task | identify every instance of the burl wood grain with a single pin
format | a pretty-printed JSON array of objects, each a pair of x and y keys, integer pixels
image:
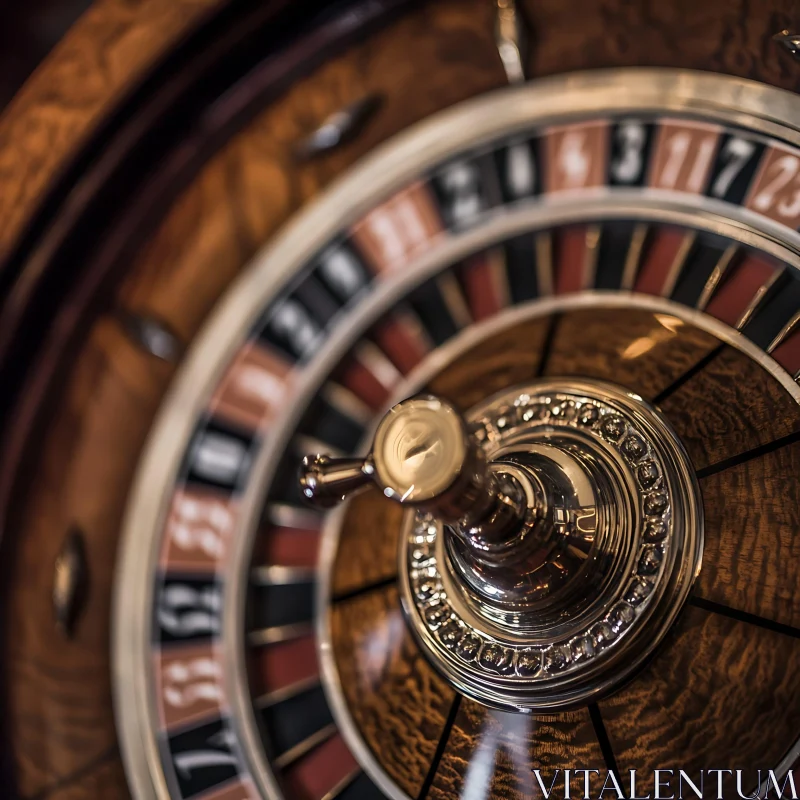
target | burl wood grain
[
  {"x": 731, "y": 406},
  {"x": 721, "y": 692},
  {"x": 368, "y": 542},
  {"x": 507, "y": 358},
  {"x": 637, "y": 349},
  {"x": 103, "y": 54},
  {"x": 396, "y": 699},
  {"x": 492, "y": 754},
  {"x": 751, "y": 559}
]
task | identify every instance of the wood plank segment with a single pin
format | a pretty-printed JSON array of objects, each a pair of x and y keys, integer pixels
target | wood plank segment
[
  {"x": 637, "y": 349},
  {"x": 492, "y": 753},
  {"x": 368, "y": 543},
  {"x": 751, "y": 559},
  {"x": 731, "y": 406},
  {"x": 509, "y": 357},
  {"x": 396, "y": 699},
  {"x": 720, "y": 692}
]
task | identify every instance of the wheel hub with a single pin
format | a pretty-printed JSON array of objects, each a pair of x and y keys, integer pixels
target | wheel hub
[
  {"x": 554, "y": 536},
  {"x": 554, "y": 625}
]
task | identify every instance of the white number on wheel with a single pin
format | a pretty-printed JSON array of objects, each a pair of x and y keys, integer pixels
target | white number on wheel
[
  {"x": 772, "y": 195},
  {"x": 736, "y": 153},
  {"x": 628, "y": 165}
]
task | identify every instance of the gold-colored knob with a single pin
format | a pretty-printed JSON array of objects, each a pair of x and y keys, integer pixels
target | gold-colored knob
[{"x": 420, "y": 450}]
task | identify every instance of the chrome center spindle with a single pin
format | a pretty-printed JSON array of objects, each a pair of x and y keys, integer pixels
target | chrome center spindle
[
  {"x": 424, "y": 456},
  {"x": 555, "y": 534}
]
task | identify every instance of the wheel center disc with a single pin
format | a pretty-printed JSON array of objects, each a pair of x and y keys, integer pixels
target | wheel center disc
[{"x": 587, "y": 590}]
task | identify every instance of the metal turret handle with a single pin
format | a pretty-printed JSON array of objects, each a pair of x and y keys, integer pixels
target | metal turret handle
[{"x": 424, "y": 456}]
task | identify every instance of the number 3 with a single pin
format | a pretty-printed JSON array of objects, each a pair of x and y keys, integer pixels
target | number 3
[{"x": 627, "y": 167}]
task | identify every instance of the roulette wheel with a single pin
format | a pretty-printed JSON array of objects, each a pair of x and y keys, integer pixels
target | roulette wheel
[{"x": 400, "y": 399}]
